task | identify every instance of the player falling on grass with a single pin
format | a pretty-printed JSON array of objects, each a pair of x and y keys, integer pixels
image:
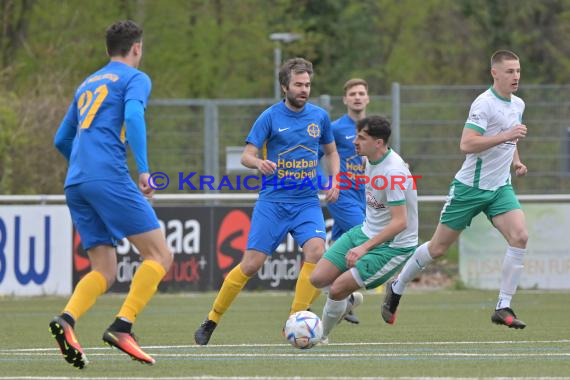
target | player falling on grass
[
  {"x": 369, "y": 254},
  {"x": 105, "y": 204},
  {"x": 490, "y": 136},
  {"x": 291, "y": 131},
  {"x": 348, "y": 211}
]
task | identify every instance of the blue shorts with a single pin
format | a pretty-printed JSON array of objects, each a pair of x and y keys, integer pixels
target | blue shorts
[
  {"x": 347, "y": 212},
  {"x": 104, "y": 212},
  {"x": 271, "y": 221}
]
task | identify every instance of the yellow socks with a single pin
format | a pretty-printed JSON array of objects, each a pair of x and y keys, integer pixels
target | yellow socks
[
  {"x": 144, "y": 285},
  {"x": 233, "y": 284},
  {"x": 316, "y": 295},
  {"x": 305, "y": 292},
  {"x": 91, "y": 286}
]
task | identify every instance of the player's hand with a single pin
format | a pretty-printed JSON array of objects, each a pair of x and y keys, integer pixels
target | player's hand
[
  {"x": 354, "y": 254},
  {"x": 515, "y": 133},
  {"x": 520, "y": 169},
  {"x": 145, "y": 186},
  {"x": 331, "y": 195},
  {"x": 266, "y": 167}
]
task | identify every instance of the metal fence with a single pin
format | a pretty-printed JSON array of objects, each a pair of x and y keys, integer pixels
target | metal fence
[
  {"x": 191, "y": 135},
  {"x": 432, "y": 118}
]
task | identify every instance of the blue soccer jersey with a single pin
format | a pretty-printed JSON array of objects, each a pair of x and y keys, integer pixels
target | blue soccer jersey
[
  {"x": 351, "y": 164},
  {"x": 99, "y": 147},
  {"x": 349, "y": 210},
  {"x": 292, "y": 141},
  {"x": 344, "y": 131}
]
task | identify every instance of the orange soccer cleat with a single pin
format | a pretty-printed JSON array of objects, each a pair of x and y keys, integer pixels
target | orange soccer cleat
[
  {"x": 67, "y": 342},
  {"x": 127, "y": 343}
]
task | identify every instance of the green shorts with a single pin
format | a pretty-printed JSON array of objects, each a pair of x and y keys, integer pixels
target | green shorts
[
  {"x": 465, "y": 202},
  {"x": 374, "y": 268}
]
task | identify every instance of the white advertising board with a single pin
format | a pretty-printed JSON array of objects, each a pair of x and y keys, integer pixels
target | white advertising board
[
  {"x": 547, "y": 262},
  {"x": 35, "y": 250}
]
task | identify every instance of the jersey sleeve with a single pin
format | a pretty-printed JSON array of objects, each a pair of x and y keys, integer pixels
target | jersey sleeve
[
  {"x": 522, "y": 108},
  {"x": 260, "y": 131},
  {"x": 396, "y": 190},
  {"x": 321, "y": 152},
  {"x": 138, "y": 88},
  {"x": 136, "y": 133},
  {"x": 478, "y": 118},
  {"x": 327, "y": 136},
  {"x": 65, "y": 134}
]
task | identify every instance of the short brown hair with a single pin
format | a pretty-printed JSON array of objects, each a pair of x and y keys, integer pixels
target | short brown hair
[
  {"x": 121, "y": 36},
  {"x": 354, "y": 82},
  {"x": 294, "y": 65},
  {"x": 503, "y": 55}
]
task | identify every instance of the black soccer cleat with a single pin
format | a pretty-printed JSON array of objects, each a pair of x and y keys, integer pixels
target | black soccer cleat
[
  {"x": 204, "y": 333},
  {"x": 506, "y": 316},
  {"x": 67, "y": 342},
  {"x": 390, "y": 305}
]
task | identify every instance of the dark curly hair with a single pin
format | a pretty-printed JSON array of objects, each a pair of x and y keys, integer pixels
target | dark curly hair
[
  {"x": 121, "y": 36},
  {"x": 376, "y": 126}
]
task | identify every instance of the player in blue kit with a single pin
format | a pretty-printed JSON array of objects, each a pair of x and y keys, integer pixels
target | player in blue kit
[
  {"x": 105, "y": 204},
  {"x": 291, "y": 132},
  {"x": 349, "y": 210}
]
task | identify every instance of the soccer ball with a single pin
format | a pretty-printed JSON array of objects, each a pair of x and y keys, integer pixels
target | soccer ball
[{"x": 303, "y": 329}]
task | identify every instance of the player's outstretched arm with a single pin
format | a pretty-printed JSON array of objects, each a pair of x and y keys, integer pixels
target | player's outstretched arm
[
  {"x": 136, "y": 133},
  {"x": 145, "y": 185},
  {"x": 65, "y": 134},
  {"x": 473, "y": 142},
  {"x": 250, "y": 160},
  {"x": 398, "y": 223},
  {"x": 136, "y": 136},
  {"x": 519, "y": 168}
]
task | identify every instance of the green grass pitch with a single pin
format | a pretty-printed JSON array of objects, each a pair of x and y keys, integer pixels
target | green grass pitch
[{"x": 437, "y": 334}]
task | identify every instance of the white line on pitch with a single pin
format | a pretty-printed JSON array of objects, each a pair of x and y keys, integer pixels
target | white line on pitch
[
  {"x": 273, "y": 378},
  {"x": 331, "y": 344},
  {"x": 306, "y": 354}
]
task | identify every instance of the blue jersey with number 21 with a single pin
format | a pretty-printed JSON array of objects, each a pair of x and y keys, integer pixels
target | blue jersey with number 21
[{"x": 99, "y": 149}]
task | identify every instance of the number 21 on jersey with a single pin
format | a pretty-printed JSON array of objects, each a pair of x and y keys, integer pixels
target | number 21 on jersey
[{"x": 90, "y": 102}]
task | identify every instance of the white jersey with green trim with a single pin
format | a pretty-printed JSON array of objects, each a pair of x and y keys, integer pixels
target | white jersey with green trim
[
  {"x": 491, "y": 114},
  {"x": 390, "y": 184}
]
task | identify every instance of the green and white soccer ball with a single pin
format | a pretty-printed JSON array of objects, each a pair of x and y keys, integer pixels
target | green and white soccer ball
[{"x": 303, "y": 329}]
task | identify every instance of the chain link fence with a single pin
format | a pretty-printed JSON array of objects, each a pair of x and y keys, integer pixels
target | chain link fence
[
  {"x": 192, "y": 135},
  {"x": 432, "y": 119},
  {"x": 195, "y": 135}
]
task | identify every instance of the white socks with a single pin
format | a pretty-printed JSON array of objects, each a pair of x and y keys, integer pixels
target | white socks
[
  {"x": 511, "y": 274},
  {"x": 332, "y": 313},
  {"x": 419, "y": 260}
]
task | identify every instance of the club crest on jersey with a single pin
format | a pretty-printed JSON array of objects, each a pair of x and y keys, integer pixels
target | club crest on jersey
[
  {"x": 373, "y": 202},
  {"x": 313, "y": 130}
]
